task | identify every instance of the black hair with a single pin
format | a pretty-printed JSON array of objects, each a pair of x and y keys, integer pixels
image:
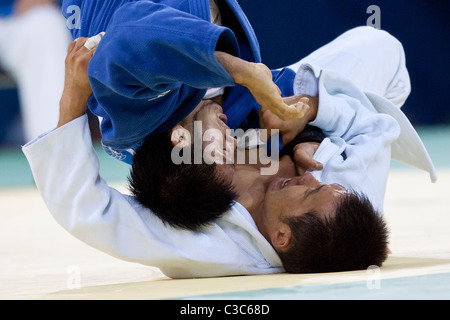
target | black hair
[
  {"x": 355, "y": 238},
  {"x": 186, "y": 196}
]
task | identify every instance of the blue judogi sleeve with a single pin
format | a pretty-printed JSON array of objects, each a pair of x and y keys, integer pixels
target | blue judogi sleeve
[{"x": 153, "y": 66}]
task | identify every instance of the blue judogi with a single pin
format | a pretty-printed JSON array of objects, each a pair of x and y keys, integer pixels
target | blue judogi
[{"x": 156, "y": 61}]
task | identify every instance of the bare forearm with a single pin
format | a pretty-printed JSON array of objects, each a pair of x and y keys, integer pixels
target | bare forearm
[
  {"x": 257, "y": 78},
  {"x": 71, "y": 106},
  {"x": 77, "y": 88},
  {"x": 240, "y": 70}
]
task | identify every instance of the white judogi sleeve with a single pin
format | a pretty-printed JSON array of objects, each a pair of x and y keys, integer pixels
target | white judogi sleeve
[
  {"x": 66, "y": 170},
  {"x": 362, "y": 129},
  {"x": 357, "y": 152},
  {"x": 362, "y": 81}
]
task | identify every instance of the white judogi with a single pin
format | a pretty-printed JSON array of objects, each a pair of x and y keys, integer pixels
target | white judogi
[
  {"x": 357, "y": 155},
  {"x": 374, "y": 61}
]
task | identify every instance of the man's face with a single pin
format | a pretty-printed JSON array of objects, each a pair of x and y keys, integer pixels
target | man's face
[
  {"x": 210, "y": 114},
  {"x": 289, "y": 197},
  {"x": 214, "y": 135}
]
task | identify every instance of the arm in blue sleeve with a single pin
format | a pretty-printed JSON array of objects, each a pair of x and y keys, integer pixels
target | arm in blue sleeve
[{"x": 151, "y": 48}]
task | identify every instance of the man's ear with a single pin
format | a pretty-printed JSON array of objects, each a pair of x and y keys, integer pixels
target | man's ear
[
  {"x": 180, "y": 136},
  {"x": 281, "y": 237}
]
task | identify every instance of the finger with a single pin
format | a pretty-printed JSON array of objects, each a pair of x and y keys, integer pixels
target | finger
[
  {"x": 291, "y": 100},
  {"x": 302, "y": 170},
  {"x": 71, "y": 46},
  {"x": 295, "y": 99},
  {"x": 304, "y": 99},
  {"x": 294, "y": 111},
  {"x": 93, "y": 42},
  {"x": 79, "y": 43},
  {"x": 285, "y": 112},
  {"x": 271, "y": 120},
  {"x": 91, "y": 52},
  {"x": 318, "y": 166},
  {"x": 302, "y": 108},
  {"x": 293, "y": 107},
  {"x": 302, "y": 162},
  {"x": 272, "y": 126},
  {"x": 305, "y": 160},
  {"x": 266, "y": 115}
]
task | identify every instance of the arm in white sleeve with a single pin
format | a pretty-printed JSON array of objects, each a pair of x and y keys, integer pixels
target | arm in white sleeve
[
  {"x": 362, "y": 137},
  {"x": 81, "y": 201},
  {"x": 65, "y": 167},
  {"x": 344, "y": 110}
]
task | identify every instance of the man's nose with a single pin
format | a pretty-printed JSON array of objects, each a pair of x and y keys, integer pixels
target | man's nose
[
  {"x": 217, "y": 106},
  {"x": 307, "y": 180}
]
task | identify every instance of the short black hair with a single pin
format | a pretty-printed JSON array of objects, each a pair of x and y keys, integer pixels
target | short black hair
[
  {"x": 355, "y": 238},
  {"x": 186, "y": 196}
]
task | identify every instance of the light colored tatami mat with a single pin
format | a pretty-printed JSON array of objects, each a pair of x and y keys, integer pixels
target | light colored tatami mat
[{"x": 40, "y": 260}]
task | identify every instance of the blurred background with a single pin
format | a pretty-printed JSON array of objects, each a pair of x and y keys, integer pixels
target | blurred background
[
  {"x": 289, "y": 29},
  {"x": 33, "y": 45},
  {"x": 34, "y": 38}
]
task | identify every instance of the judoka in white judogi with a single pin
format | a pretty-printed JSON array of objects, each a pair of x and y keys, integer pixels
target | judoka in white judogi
[{"x": 359, "y": 100}]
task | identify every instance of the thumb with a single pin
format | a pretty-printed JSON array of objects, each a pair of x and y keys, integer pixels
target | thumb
[
  {"x": 270, "y": 121},
  {"x": 303, "y": 158},
  {"x": 307, "y": 165}
]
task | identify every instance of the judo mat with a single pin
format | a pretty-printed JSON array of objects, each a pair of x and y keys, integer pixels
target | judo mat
[{"x": 41, "y": 261}]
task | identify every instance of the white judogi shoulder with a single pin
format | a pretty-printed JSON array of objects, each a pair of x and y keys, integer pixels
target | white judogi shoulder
[{"x": 66, "y": 170}]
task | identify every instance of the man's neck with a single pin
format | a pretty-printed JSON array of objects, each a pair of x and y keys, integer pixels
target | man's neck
[{"x": 250, "y": 186}]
